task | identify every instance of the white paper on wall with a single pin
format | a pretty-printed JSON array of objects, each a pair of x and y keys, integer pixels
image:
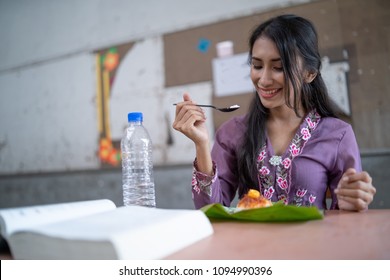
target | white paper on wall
[
  {"x": 335, "y": 78},
  {"x": 231, "y": 75}
]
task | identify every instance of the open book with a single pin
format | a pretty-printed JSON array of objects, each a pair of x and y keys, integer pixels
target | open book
[{"x": 97, "y": 229}]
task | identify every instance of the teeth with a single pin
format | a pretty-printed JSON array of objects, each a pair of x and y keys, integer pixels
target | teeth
[{"x": 269, "y": 92}]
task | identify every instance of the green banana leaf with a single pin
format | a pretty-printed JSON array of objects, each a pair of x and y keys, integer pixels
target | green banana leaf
[{"x": 275, "y": 213}]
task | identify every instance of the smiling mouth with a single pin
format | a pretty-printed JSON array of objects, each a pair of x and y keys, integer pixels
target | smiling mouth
[{"x": 268, "y": 93}]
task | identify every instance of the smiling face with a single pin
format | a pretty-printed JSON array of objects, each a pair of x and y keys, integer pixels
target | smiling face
[{"x": 267, "y": 73}]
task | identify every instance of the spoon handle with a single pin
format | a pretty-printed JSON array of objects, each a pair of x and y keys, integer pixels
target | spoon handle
[
  {"x": 210, "y": 106},
  {"x": 200, "y": 105}
]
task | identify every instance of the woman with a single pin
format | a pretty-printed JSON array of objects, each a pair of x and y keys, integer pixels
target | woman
[{"x": 290, "y": 145}]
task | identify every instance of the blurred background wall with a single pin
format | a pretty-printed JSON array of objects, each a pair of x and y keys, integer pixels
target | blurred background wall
[{"x": 70, "y": 71}]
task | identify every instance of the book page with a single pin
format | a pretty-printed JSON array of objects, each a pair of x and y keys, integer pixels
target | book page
[
  {"x": 127, "y": 232},
  {"x": 104, "y": 225},
  {"x": 13, "y": 219}
]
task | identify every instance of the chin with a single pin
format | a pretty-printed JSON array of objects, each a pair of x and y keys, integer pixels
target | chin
[{"x": 272, "y": 104}]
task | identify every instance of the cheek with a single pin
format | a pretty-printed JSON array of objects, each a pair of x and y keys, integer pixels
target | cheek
[
  {"x": 279, "y": 77},
  {"x": 254, "y": 76}
]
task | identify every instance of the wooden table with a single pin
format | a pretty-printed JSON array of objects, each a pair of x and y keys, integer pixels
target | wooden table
[{"x": 340, "y": 235}]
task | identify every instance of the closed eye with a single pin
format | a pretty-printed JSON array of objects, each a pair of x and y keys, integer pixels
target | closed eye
[
  {"x": 279, "y": 69},
  {"x": 257, "y": 67}
]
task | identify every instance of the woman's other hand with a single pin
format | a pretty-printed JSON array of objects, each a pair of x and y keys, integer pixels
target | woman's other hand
[{"x": 355, "y": 190}]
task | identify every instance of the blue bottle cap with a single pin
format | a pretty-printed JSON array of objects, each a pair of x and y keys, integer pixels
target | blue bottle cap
[{"x": 134, "y": 117}]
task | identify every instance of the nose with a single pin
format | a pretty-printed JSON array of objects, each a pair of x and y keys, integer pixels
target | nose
[{"x": 265, "y": 78}]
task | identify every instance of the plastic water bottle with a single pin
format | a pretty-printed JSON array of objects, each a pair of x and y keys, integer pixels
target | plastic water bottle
[{"x": 137, "y": 164}]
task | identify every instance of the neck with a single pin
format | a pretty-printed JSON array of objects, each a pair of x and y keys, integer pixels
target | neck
[{"x": 286, "y": 115}]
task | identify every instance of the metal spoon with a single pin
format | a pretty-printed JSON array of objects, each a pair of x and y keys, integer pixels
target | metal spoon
[{"x": 227, "y": 109}]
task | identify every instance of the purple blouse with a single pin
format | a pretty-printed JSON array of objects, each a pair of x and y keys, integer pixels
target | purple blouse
[{"x": 318, "y": 155}]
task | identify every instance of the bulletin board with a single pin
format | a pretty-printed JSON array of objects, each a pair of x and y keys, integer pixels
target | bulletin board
[{"x": 189, "y": 54}]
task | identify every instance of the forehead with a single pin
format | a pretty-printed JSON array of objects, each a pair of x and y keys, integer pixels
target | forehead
[{"x": 265, "y": 48}]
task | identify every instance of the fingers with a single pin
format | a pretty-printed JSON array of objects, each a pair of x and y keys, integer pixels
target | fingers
[
  {"x": 187, "y": 118},
  {"x": 363, "y": 193},
  {"x": 362, "y": 176},
  {"x": 351, "y": 176},
  {"x": 187, "y": 97},
  {"x": 186, "y": 101},
  {"x": 187, "y": 115},
  {"x": 356, "y": 189},
  {"x": 356, "y": 181},
  {"x": 185, "y": 111},
  {"x": 191, "y": 121},
  {"x": 345, "y": 179},
  {"x": 350, "y": 171},
  {"x": 350, "y": 203}
]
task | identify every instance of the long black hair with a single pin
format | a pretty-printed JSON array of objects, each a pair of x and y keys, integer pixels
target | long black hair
[{"x": 296, "y": 39}]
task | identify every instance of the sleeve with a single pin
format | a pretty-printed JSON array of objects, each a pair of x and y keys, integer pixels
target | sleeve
[
  {"x": 222, "y": 186},
  {"x": 347, "y": 156}
]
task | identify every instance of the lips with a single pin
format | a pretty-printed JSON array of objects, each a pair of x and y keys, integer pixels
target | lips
[{"x": 268, "y": 93}]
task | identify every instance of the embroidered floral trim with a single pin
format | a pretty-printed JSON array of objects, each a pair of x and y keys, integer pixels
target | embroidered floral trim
[
  {"x": 278, "y": 170},
  {"x": 283, "y": 197},
  {"x": 202, "y": 182},
  {"x": 299, "y": 198}
]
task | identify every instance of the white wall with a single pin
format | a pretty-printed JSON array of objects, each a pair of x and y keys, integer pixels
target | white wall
[{"x": 47, "y": 74}]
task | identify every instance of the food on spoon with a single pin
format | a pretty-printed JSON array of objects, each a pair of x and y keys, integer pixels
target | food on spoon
[{"x": 253, "y": 199}]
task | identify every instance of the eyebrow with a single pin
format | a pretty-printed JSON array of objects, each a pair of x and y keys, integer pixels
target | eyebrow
[{"x": 274, "y": 59}]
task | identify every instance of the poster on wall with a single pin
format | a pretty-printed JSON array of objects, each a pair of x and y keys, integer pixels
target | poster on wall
[
  {"x": 107, "y": 62},
  {"x": 129, "y": 79}
]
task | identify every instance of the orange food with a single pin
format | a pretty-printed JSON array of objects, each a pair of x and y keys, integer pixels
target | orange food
[{"x": 253, "y": 199}]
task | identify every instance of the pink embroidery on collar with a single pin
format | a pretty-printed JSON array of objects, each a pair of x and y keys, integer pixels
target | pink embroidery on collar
[{"x": 277, "y": 170}]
